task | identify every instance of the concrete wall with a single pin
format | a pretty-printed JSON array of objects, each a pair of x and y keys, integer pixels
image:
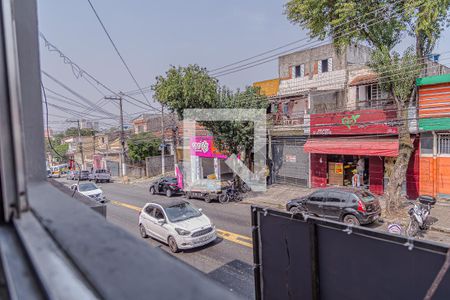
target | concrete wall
[
  {"x": 153, "y": 165},
  {"x": 309, "y": 57},
  {"x": 358, "y": 54}
]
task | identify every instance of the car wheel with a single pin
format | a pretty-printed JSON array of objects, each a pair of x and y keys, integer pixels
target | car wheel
[
  {"x": 351, "y": 220},
  {"x": 169, "y": 193},
  {"x": 108, "y": 181},
  {"x": 296, "y": 210},
  {"x": 152, "y": 190},
  {"x": 142, "y": 231},
  {"x": 208, "y": 198},
  {"x": 173, "y": 244}
]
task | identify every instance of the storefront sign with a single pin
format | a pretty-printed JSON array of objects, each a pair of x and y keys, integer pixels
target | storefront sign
[
  {"x": 290, "y": 158},
  {"x": 203, "y": 146},
  {"x": 339, "y": 168},
  {"x": 370, "y": 121}
]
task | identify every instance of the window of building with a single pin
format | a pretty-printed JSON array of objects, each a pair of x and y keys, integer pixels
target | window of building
[
  {"x": 325, "y": 65},
  {"x": 299, "y": 71},
  {"x": 274, "y": 107},
  {"x": 374, "y": 92},
  {"x": 285, "y": 108},
  {"x": 426, "y": 143},
  {"x": 443, "y": 143}
]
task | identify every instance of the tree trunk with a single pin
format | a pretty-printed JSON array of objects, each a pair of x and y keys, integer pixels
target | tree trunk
[{"x": 398, "y": 175}]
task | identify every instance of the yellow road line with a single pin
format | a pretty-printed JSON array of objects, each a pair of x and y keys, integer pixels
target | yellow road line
[{"x": 227, "y": 235}]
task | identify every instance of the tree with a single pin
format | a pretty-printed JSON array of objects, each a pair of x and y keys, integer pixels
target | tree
[
  {"x": 383, "y": 25},
  {"x": 142, "y": 145},
  {"x": 185, "y": 87},
  {"x": 59, "y": 150},
  {"x": 236, "y": 137},
  {"x": 73, "y": 131}
]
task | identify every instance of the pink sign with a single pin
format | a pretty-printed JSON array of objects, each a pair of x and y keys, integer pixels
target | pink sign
[{"x": 203, "y": 146}]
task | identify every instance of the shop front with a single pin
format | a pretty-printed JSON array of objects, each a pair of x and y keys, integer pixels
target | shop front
[
  {"x": 206, "y": 162},
  {"x": 352, "y": 161},
  {"x": 342, "y": 155},
  {"x": 434, "y": 128}
]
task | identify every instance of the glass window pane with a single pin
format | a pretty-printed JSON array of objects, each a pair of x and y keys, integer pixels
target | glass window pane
[{"x": 426, "y": 143}]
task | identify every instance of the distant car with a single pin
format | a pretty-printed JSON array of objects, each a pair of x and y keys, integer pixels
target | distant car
[
  {"x": 100, "y": 175},
  {"x": 91, "y": 190},
  {"x": 348, "y": 205},
  {"x": 176, "y": 223},
  {"x": 83, "y": 175},
  {"x": 72, "y": 175},
  {"x": 165, "y": 185}
]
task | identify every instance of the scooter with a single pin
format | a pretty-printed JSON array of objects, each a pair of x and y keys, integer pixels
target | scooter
[{"x": 418, "y": 215}]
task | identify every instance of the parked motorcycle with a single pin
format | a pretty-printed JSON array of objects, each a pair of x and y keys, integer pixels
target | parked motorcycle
[{"x": 418, "y": 215}]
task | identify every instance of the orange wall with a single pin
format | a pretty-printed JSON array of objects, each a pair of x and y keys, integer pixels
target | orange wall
[
  {"x": 268, "y": 87},
  {"x": 434, "y": 175}
]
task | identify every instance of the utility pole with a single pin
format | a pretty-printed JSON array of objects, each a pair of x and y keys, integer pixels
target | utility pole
[
  {"x": 80, "y": 142},
  {"x": 122, "y": 135},
  {"x": 163, "y": 145}
]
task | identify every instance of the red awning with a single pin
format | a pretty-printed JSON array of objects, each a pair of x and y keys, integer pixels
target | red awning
[{"x": 353, "y": 146}]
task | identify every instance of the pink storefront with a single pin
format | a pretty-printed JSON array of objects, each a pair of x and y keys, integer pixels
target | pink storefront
[{"x": 206, "y": 161}]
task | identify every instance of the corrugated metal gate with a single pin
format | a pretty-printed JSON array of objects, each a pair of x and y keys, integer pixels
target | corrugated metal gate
[
  {"x": 113, "y": 167},
  {"x": 290, "y": 162}
]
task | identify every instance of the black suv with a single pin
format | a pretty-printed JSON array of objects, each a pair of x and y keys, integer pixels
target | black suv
[{"x": 348, "y": 205}]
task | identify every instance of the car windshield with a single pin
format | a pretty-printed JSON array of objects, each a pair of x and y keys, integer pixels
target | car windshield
[
  {"x": 181, "y": 212},
  {"x": 365, "y": 196},
  {"x": 85, "y": 187},
  {"x": 84, "y": 172}
]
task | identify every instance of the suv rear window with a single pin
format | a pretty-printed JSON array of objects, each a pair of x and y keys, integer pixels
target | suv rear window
[{"x": 365, "y": 196}]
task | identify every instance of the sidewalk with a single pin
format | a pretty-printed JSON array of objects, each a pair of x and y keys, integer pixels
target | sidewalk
[{"x": 277, "y": 195}]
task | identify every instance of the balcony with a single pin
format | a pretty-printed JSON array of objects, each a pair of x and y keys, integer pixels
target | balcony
[
  {"x": 288, "y": 124},
  {"x": 334, "y": 80}
]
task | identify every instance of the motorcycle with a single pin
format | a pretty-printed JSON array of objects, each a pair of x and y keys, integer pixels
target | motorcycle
[{"x": 418, "y": 215}]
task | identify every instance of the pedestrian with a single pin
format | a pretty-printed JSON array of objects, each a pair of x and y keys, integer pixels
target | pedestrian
[
  {"x": 355, "y": 179},
  {"x": 360, "y": 168}
]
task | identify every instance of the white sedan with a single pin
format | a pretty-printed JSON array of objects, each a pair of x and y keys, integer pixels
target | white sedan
[
  {"x": 89, "y": 189},
  {"x": 177, "y": 223}
]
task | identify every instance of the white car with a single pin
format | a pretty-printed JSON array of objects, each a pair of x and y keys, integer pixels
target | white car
[
  {"x": 89, "y": 189},
  {"x": 176, "y": 223}
]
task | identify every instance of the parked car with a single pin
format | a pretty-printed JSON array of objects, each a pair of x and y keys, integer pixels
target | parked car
[
  {"x": 165, "y": 185},
  {"x": 348, "y": 205},
  {"x": 91, "y": 190},
  {"x": 100, "y": 175},
  {"x": 176, "y": 223},
  {"x": 72, "y": 175}
]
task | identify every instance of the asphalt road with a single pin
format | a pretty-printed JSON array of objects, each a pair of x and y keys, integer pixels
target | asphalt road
[{"x": 228, "y": 260}]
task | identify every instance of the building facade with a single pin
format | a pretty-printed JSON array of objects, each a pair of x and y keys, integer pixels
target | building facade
[
  {"x": 310, "y": 81},
  {"x": 434, "y": 127}
]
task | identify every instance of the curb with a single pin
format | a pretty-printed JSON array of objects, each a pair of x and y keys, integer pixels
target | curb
[{"x": 440, "y": 229}]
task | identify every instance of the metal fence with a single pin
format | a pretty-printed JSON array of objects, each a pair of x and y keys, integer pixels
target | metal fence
[{"x": 319, "y": 259}]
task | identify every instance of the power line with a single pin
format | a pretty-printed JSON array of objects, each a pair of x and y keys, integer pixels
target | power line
[
  {"x": 297, "y": 41},
  {"x": 303, "y": 47},
  {"x": 77, "y": 70},
  {"x": 117, "y": 51}
]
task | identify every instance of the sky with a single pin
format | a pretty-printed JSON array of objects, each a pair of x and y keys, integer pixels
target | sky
[{"x": 152, "y": 36}]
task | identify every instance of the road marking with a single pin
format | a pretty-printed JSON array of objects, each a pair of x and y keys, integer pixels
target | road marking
[{"x": 227, "y": 235}]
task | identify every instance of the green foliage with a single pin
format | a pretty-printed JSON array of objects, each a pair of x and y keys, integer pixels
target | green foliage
[
  {"x": 60, "y": 154},
  {"x": 73, "y": 131},
  {"x": 142, "y": 145},
  {"x": 185, "y": 87},
  {"x": 389, "y": 64},
  {"x": 382, "y": 24},
  {"x": 236, "y": 137}
]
